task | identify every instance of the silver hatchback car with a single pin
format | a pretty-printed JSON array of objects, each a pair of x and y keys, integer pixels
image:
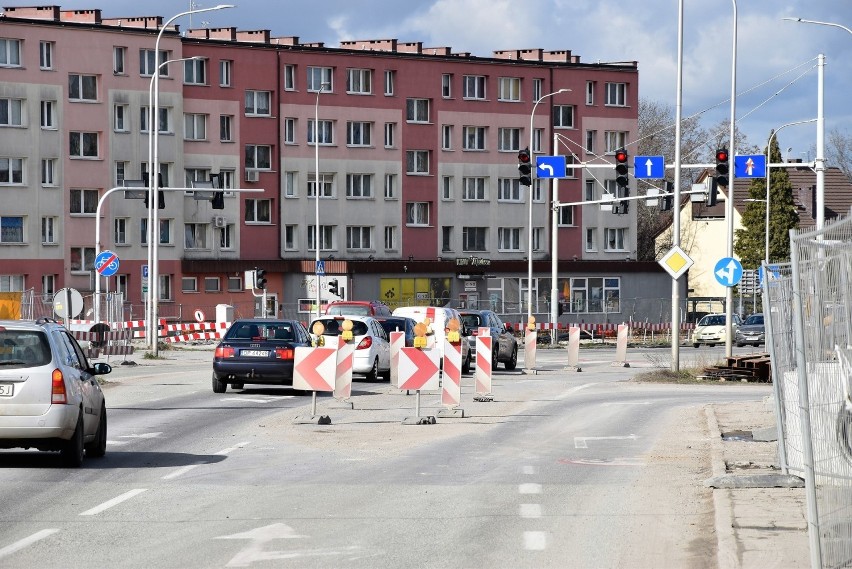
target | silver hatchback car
[{"x": 50, "y": 398}]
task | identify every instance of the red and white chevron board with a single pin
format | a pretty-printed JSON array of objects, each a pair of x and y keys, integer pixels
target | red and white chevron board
[
  {"x": 397, "y": 342},
  {"x": 419, "y": 369},
  {"x": 451, "y": 384},
  {"x": 482, "y": 375},
  {"x": 530, "y": 340},
  {"x": 343, "y": 376},
  {"x": 621, "y": 344},
  {"x": 314, "y": 369}
]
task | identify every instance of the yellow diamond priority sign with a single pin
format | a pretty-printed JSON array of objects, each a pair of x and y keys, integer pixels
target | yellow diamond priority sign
[{"x": 676, "y": 262}]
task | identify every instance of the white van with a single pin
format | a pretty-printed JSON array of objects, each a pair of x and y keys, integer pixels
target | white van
[{"x": 439, "y": 317}]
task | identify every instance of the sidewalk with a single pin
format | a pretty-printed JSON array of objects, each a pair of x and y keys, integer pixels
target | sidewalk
[{"x": 760, "y": 524}]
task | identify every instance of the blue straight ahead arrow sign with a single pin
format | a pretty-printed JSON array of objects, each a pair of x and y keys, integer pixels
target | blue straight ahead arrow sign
[
  {"x": 750, "y": 166},
  {"x": 653, "y": 167}
]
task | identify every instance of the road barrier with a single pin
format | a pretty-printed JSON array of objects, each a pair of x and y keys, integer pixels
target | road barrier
[{"x": 451, "y": 383}]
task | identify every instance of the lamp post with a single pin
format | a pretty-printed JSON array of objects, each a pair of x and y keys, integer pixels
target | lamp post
[
  {"x": 316, "y": 195},
  {"x": 530, "y": 225},
  {"x": 729, "y": 203},
  {"x": 153, "y": 171}
]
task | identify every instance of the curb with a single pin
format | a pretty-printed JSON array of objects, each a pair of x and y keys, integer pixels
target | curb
[{"x": 726, "y": 553}]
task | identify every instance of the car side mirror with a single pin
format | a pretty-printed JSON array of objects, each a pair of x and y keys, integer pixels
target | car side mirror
[
  {"x": 100, "y": 368},
  {"x": 508, "y": 327}
]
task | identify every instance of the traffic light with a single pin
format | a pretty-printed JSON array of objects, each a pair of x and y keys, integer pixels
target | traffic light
[
  {"x": 332, "y": 287},
  {"x": 713, "y": 193},
  {"x": 161, "y": 195},
  {"x": 667, "y": 202},
  {"x": 525, "y": 167},
  {"x": 260, "y": 278},
  {"x": 722, "y": 167},
  {"x": 621, "y": 179}
]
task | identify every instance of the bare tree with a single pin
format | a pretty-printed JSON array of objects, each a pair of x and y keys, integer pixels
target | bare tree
[{"x": 838, "y": 150}]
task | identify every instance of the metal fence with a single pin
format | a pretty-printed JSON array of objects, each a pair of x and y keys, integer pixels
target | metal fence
[{"x": 809, "y": 309}]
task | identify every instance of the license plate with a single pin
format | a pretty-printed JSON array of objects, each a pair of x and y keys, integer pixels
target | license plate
[
  {"x": 6, "y": 389},
  {"x": 255, "y": 353}
]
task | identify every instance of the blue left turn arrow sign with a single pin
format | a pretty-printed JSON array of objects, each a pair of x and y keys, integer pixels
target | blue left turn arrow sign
[{"x": 550, "y": 166}]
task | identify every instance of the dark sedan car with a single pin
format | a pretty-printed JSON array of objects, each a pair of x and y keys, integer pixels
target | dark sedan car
[
  {"x": 399, "y": 324},
  {"x": 751, "y": 331},
  {"x": 504, "y": 346},
  {"x": 259, "y": 351}
]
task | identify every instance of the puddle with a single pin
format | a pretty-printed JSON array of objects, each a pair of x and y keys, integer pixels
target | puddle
[{"x": 738, "y": 436}]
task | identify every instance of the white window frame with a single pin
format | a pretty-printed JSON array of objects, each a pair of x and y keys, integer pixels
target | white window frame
[
  {"x": 119, "y": 60},
  {"x": 258, "y": 157},
  {"x": 14, "y": 111},
  {"x": 537, "y": 89},
  {"x": 417, "y": 110},
  {"x": 446, "y": 239},
  {"x": 121, "y": 231},
  {"x": 417, "y": 162},
  {"x": 45, "y": 54},
  {"x": 509, "y": 239},
  {"x": 325, "y": 132},
  {"x": 86, "y": 256},
  {"x": 49, "y": 230},
  {"x": 566, "y": 216},
  {"x": 195, "y": 236},
  {"x": 563, "y": 116},
  {"x": 537, "y": 138},
  {"x": 47, "y": 116},
  {"x": 474, "y": 138},
  {"x": 289, "y": 77},
  {"x": 10, "y": 52},
  {"x": 258, "y": 211},
  {"x": 390, "y": 237},
  {"x": 447, "y": 137},
  {"x": 326, "y": 181},
  {"x": 81, "y": 140},
  {"x": 80, "y": 86},
  {"x": 359, "y": 133},
  {"x": 474, "y": 188},
  {"x": 226, "y": 72},
  {"x": 83, "y": 201},
  {"x": 447, "y": 188},
  {"x": 121, "y": 117},
  {"x": 359, "y": 81},
  {"x": 359, "y": 186},
  {"x": 471, "y": 236},
  {"x": 11, "y": 171},
  {"x": 591, "y": 137},
  {"x": 508, "y": 139},
  {"x": 390, "y": 187},
  {"x": 226, "y": 128},
  {"x": 447, "y": 85},
  {"x": 13, "y": 229},
  {"x": 317, "y": 76},
  {"x": 474, "y": 87},
  {"x": 509, "y": 190},
  {"x": 417, "y": 214},
  {"x": 591, "y": 239},
  {"x": 359, "y": 237},
  {"x": 254, "y": 103},
  {"x": 509, "y": 89},
  {"x": 49, "y": 171},
  {"x": 291, "y": 237},
  {"x": 195, "y": 126},
  {"x": 390, "y": 134},
  {"x": 291, "y": 184},
  {"x": 390, "y": 82},
  {"x": 537, "y": 238},
  {"x": 615, "y": 140},
  {"x": 148, "y": 65},
  {"x": 616, "y": 95},
  {"x": 326, "y": 237},
  {"x": 590, "y": 92},
  {"x": 195, "y": 72},
  {"x": 615, "y": 239}
]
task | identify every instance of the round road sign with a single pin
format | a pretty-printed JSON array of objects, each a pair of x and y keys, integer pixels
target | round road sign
[
  {"x": 68, "y": 303},
  {"x": 199, "y": 316}
]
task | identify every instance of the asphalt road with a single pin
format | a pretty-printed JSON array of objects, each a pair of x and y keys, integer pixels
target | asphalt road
[{"x": 546, "y": 475}]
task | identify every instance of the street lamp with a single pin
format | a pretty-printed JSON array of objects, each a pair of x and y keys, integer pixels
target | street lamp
[
  {"x": 316, "y": 194},
  {"x": 729, "y": 202},
  {"x": 530, "y": 225},
  {"x": 153, "y": 182}
]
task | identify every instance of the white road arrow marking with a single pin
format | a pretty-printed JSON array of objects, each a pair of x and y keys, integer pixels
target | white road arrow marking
[
  {"x": 727, "y": 273},
  {"x": 254, "y": 552},
  {"x": 648, "y": 164},
  {"x": 582, "y": 442}
]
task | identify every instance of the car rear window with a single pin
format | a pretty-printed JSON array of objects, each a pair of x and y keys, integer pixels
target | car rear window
[
  {"x": 394, "y": 325},
  {"x": 472, "y": 320},
  {"x": 267, "y": 331},
  {"x": 333, "y": 327},
  {"x": 24, "y": 348},
  {"x": 353, "y": 309}
]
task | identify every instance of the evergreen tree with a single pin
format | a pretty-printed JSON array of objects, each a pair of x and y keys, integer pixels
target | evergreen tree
[{"x": 750, "y": 241}]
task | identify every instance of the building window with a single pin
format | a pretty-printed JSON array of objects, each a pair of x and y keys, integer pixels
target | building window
[
  {"x": 358, "y": 133},
  {"x": 616, "y": 94},
  {"x": 390, "y": 130},
  {"x": 258, "y": 157},
  {"x": 165, "y": 288},
  {"x": 591, "y": 135},
  {"x": 195, "y": 235},
  {"x": 189, "y": 284},
  {"x": 48, "y": 284},
  {"x": 508, "y": 139},
  {"x": 226, "y": 236},
  {"x": 148, "y": 64},
  {"x": 590, "y": 191},
  {"x": 325, "y": 131},
  {"x": 417, "y": 161},
  {"x": 359, "y": 185},
  {"x": 326, "y": 185},
  {"x": 537, "y": 234},
  {"x": 359, "y": 237},
  {"x": 417, "y": 110},
  {"x": 591, "y": 239},
  {"x": 164, "y": 124},
  {"x": 569, "y": 171},
  {"x": 82, "y": 87},
  {"x": 291, "y": 184},
  {"x": 48, "y": 172},
  {"x": 165, "y": 231},
  {"x": 359, "y": 82},
  {"x": 537, "y": 137},
  {"x": 83, "y": 144},
  {"x": 390, "y": 80},
  {"x": 193, "y": 175},
  {"x": 390, "y": 186},
  {"x": 11, "y": 112},
  {"x": 509, "y": 89},
  {"x": 119, "y": 57},
  {"x": 447, "y": 137},
  {"x": 195, "y": 72},
  {"x": 509, "y": 190},
  {"x": 48, "y": 114},
  {"x": 473, "y": 138},
  {"x": 614, "y": 239},
  {"x": 82, "y": 259},
  {"x": 45, "y": 54},
  {"x": 446, "y": 85},
  {"x": 590, "y": 92},
  {"x": 566, "y": 216},
  {"x": 83, "y": 201},
  {"x": 417, "y": 213},
  {"x": 614, "y": 140},
  {"x": 537, "y": 190},
  {"x": 289, "y": 77},
  {"x": 446, "y": 238},
  {"x": 317, "y": 77},
  {"x": 390, "y": 238},
  {"x": 474, "y": 87},
  {"x": 10, "y": 52},
  {"x": 119, "y": 233},
  {"x": 225, "y": 70},
  {"x": 120, "y": 172},
  {"x": 258, "y": 211},
  {"x": 326, "y": 237},
  {"x": 474, "y": 238},
  {"x": 289, "y": 130},
  {"x": 121, "y": 118},
  {"x": 509, "y": 239},
  {"x": 563, "y": 116},
  {"x": 11, "y": 171},
  {"x": 195, "y": 126},
  {"x": 473, "y": 189},
  {"x": 225, "y": 128},
  {"x": 11, "y": 283},
  {"x": 538, "y": 89},
  {"x": 258, "y": 103},
  {"x": 447, "y": 183},
  {"x": 11, "y": 229},
  {"x": 290, "y": 242}
]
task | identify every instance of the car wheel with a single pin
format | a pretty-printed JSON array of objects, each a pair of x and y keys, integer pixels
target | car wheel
[
  {"x": 72, "y": 451},
  {"x": 97, "y": 448},
  {"x": 466, "y": 363},
  {"x": 237, "y": 386},
  {"x": 218, "y": 385},
  {"x": 373, "y": 374},
  {"x": 695, "y": 345},
  {"x": 740, "y": 345},
  {"x": 513, "y": 363}
]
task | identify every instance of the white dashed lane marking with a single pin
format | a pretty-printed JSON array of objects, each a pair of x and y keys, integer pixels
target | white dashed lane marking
[
  {"x": 114, "y": 502},
  {"x": 530, "y": 511},
  {"x": 26, "y": 542},
  {"x": 535, "y": 540}
]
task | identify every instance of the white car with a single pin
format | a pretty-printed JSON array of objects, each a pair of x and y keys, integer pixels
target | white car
[
  {"x": 50, "y": 398},
  {"x": 711, "y": 329},
  {"x": 372, "y": 344}
]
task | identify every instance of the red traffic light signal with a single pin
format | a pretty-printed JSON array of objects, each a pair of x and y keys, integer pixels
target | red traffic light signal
[
  {"x": 621, "y": 156},
  {"x": 722, "y": 167},
  {"x": 525, "y": 167},
  {"x": 621, "y": 168}
]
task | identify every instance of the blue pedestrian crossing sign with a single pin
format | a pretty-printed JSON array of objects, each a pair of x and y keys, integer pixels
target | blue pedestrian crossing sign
[
  {"x": 550, "y": 166},
  {"x": 320, "y": 267},
  {"x": 649, "y": 167},
  {"x": 728, "y": 271},
  {"x": 750, "y": 166}
]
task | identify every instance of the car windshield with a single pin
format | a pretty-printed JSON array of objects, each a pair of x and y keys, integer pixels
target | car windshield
[
  {"x": 24, "y": 347},
  {"x": 352, "y": 309},
  {"x": 754, "y": 319},
  {"x": 712, "y": 320},
  {"x": 333, "y": 327}
]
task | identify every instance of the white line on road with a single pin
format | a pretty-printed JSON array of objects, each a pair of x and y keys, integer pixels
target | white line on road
[
  {"x": 529, "y": 469},
  {"x": 582, "y": 442},
  {"x": 114, "y": 502},
  {"x": 608, "y": 403},
  {"x": 181, "y": 471},
  {"x": 535, "y": 540},
  {"x": 18, "y": 545},
  {"x": 530, "y": 511},
  {"x": 529, "y": 488},
  {"x": 246, "y": 400},
  {"x": 574, "y": 390},
  {"x": 232, "y": 449}
]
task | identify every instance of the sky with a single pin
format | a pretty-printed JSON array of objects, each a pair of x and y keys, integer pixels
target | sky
[{"x": 777, "y": 79}]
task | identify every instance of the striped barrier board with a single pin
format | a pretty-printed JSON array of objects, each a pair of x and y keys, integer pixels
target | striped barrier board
[
  {"x": 397, "y": 342},
  {"x": 621, "y": 346},
  {"x": 314, "y": 369},
  {"x": 419, "y": 369},
  {"x": 530, "y": 340},
  {"x": 482, "y": 374},
  {"x": 451, "y": 383},
  {"x": 343, "y": 375}
]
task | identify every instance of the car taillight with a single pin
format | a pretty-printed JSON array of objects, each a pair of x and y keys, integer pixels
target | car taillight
[
  {"x": 285, "y": 353},
  {"x": 474, "y": 332},
  {"x": 365, "y": 343},
  {"x": 224, "y": 352},
  {"x": 57, "y": 393}
]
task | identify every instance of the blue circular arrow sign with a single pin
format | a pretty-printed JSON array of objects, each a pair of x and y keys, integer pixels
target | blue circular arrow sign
[
  {"x": 106, "y": 263},
  {"x": 728, "y": 271}
]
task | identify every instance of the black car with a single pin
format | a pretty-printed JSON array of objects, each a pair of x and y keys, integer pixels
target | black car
[
  {"x": 259, "y": 351},
  {"x": 505, "y": 345},
  {"x": 399, "y": 324}
]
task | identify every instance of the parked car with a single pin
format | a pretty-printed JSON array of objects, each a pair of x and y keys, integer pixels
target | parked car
[
  {"x": 399, "y": 324},
  {"x": 711, "y": 329},
  {"x": 504, "y": 348},
  {"x": 50, "y": 399},
  {"x": 440, "y": 316},
  {"x": 257, "y": 351},
  {"x": 751, "y": 331},
  {"x": 358, "y": 308},
  {"x": 372, "y": 344}
]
